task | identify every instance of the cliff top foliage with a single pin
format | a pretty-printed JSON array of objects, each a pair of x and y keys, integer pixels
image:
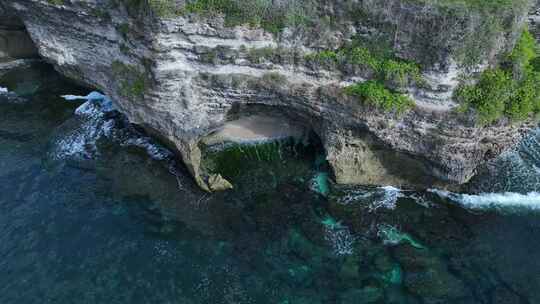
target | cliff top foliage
[
  {"x": 474, "y": 40},
  {"x": 474, "y": 4},
  {"x": 511, "y": 89},
  {"x": 273, "y": 16}
]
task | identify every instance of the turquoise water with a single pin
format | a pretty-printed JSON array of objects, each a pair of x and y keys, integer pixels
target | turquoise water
[{"x": 93, "y": 211}]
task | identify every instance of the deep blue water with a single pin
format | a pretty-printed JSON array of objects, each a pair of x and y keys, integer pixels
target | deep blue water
[{"x": 88, "y": 215}]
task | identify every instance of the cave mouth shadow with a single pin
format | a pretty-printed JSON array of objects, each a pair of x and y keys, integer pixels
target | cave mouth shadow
[
  {"x": 246, "y": 148},
  {"x": 15, "y": 41}
]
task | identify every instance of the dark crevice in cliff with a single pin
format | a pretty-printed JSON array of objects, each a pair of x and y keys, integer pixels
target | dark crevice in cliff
[{"x": 15, "y": 42}]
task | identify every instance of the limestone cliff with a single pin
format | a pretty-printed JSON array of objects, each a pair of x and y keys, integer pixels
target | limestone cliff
[{"x": 182, "y": 75}]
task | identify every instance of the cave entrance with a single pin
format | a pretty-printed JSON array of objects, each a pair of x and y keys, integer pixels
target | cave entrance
[{"x": 263, "y": 147}]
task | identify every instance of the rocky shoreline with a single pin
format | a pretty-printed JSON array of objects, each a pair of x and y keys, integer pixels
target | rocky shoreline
[{"x": 181, "y": 78}]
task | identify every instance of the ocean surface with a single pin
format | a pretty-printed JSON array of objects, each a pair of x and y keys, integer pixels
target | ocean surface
[{"x": 94, "y": 211}]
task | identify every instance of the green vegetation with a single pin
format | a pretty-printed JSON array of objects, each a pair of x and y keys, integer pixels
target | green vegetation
[
  {"x": 489, "y": 96},
  {"x": 164, "y": 8},
  {"x": 375, "y": 93},
  {"x": 273, "y": 79},
  {"x": 124, "y": 29},
  {"x": 132, "y": 82},
  {"x": 160, "y": 8},
  {"x": 479, "y": 24},
  {"x": 230, "y": 161},
  {"x": 510, "y": 90},
  {"x": 257, "y": 55},
  {"x": 124, "y": 49},
  {"x": 280, "y": 55},
  {"x": 262, "y": 13},
  {"x": 327, "y": 59},
  {"x": 101, "y": 12},
  {"x": 385, "y": 66},
  {"x": 267, "y": 163},
  {"x": 389, "y": 74},
  {"x": 523, "y": 53},
  {"x": 56, "y": 2}
]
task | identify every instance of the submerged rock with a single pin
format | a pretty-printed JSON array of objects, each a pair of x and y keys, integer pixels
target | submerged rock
[
  {"x": 364, "y": 295},
  {"x": 218, "y": 183},
  {"x": 427, "y": 276},
  {"x": 349, "y": 269}
]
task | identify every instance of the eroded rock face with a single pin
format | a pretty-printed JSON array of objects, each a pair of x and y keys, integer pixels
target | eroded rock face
[{"x": 180, "y": 77}]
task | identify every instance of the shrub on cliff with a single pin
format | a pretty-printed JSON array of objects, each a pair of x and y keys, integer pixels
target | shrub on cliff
[
  {"x": 511, "y": 90},
  {"x": 376, "y": 94},
  {"x": 525, "y": 51},
  {"x": 384, "y": 65},
  {"x": 525, "y": 99},
  {"x": 489, "y": 96}
]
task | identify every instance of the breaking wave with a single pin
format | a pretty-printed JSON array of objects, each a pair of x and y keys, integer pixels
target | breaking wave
[
  {"x": 81, "y": 142},
  {"x": 382, "y": 197},
  {"x": 98, "y": 118},
  {"x": 501, "y": 201}
]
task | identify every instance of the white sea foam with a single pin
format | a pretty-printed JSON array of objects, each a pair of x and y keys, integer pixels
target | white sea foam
[
  {"x": 391, "y": 235},
  {"x": 155, "y": 151},
  {"x": 71, "y": 145},
  {"x": 338, "y": 236},
  {"x": 104, "y": 103},
  {"x": 382, "y": 197},
  {"x": 95, "y": 123},
  {"x": 74, "y": 97},
  {"x": 507, "y": 200},
  {"x": 92, "y": 96},
  {"x": 354, "y": 195},
  {"x": 340, "y": 239},
  {"x": 81, "y": 142},
  {"x": 388, "y": 200}
]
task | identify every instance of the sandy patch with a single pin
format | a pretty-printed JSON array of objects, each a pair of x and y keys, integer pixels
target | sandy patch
[{"x": 254, "y": 129}]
